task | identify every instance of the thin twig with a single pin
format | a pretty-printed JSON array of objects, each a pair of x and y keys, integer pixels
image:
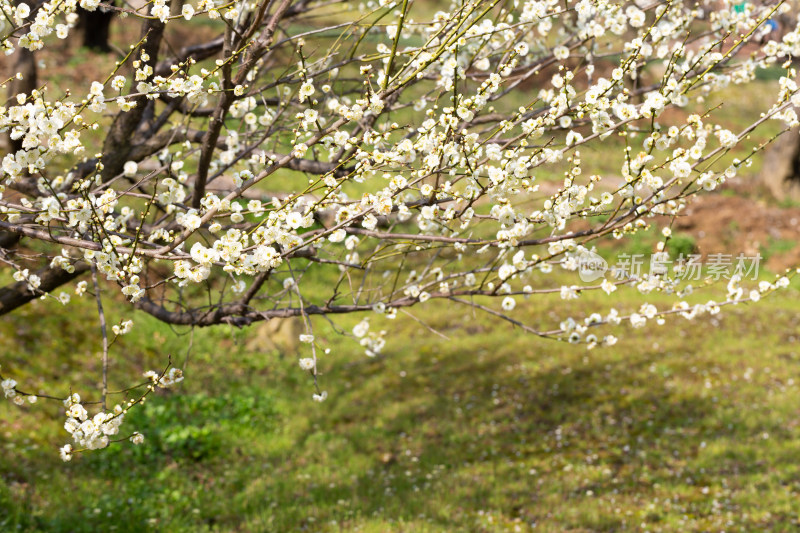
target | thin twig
[
  {"x": 103, "y": 330},
  {"x": 429, "y": 328}
]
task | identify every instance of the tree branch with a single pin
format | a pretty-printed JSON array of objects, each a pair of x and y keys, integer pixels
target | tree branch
[{"x": 17, "y": 294}]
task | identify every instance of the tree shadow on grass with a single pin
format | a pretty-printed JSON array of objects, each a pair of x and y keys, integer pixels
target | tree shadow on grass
[{"x": 482, "y": 428}]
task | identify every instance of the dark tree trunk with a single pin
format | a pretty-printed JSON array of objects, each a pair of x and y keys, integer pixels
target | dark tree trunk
[
  {"x": 780, "y": 172},
  {"x": 24, "y": 64},
  {"x": 96, "y": 27}
]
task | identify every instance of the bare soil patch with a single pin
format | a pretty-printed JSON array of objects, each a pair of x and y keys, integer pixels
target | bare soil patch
[{"x": 722, "y": 223}]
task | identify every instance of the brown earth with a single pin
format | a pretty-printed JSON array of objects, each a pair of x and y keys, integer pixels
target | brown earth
[{"x": 722, "y": 223}]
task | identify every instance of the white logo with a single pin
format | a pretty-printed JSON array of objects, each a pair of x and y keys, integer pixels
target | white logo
[{"x": 591, "y": 267}]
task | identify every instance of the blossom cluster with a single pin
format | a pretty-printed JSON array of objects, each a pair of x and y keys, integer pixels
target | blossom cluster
[{"x": 90, "y": 433}]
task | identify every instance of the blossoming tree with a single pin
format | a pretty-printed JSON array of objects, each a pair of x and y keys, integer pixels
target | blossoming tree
[{"x": 405, "y": 156}]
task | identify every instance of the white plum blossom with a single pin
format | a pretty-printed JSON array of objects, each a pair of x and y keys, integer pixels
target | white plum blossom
[
  {"x": 8, "y": 386},
  {"x": 130, "y": 169},
  {"x": 306, "y": 90},
  {"x": 320, "y": 397},
  {"x": 361, "y": 328}
]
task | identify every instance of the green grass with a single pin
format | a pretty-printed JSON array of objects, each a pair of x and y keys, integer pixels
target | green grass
[
  {"x": 777, "y": 247},
  {"x": 689, "y": 426}
]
